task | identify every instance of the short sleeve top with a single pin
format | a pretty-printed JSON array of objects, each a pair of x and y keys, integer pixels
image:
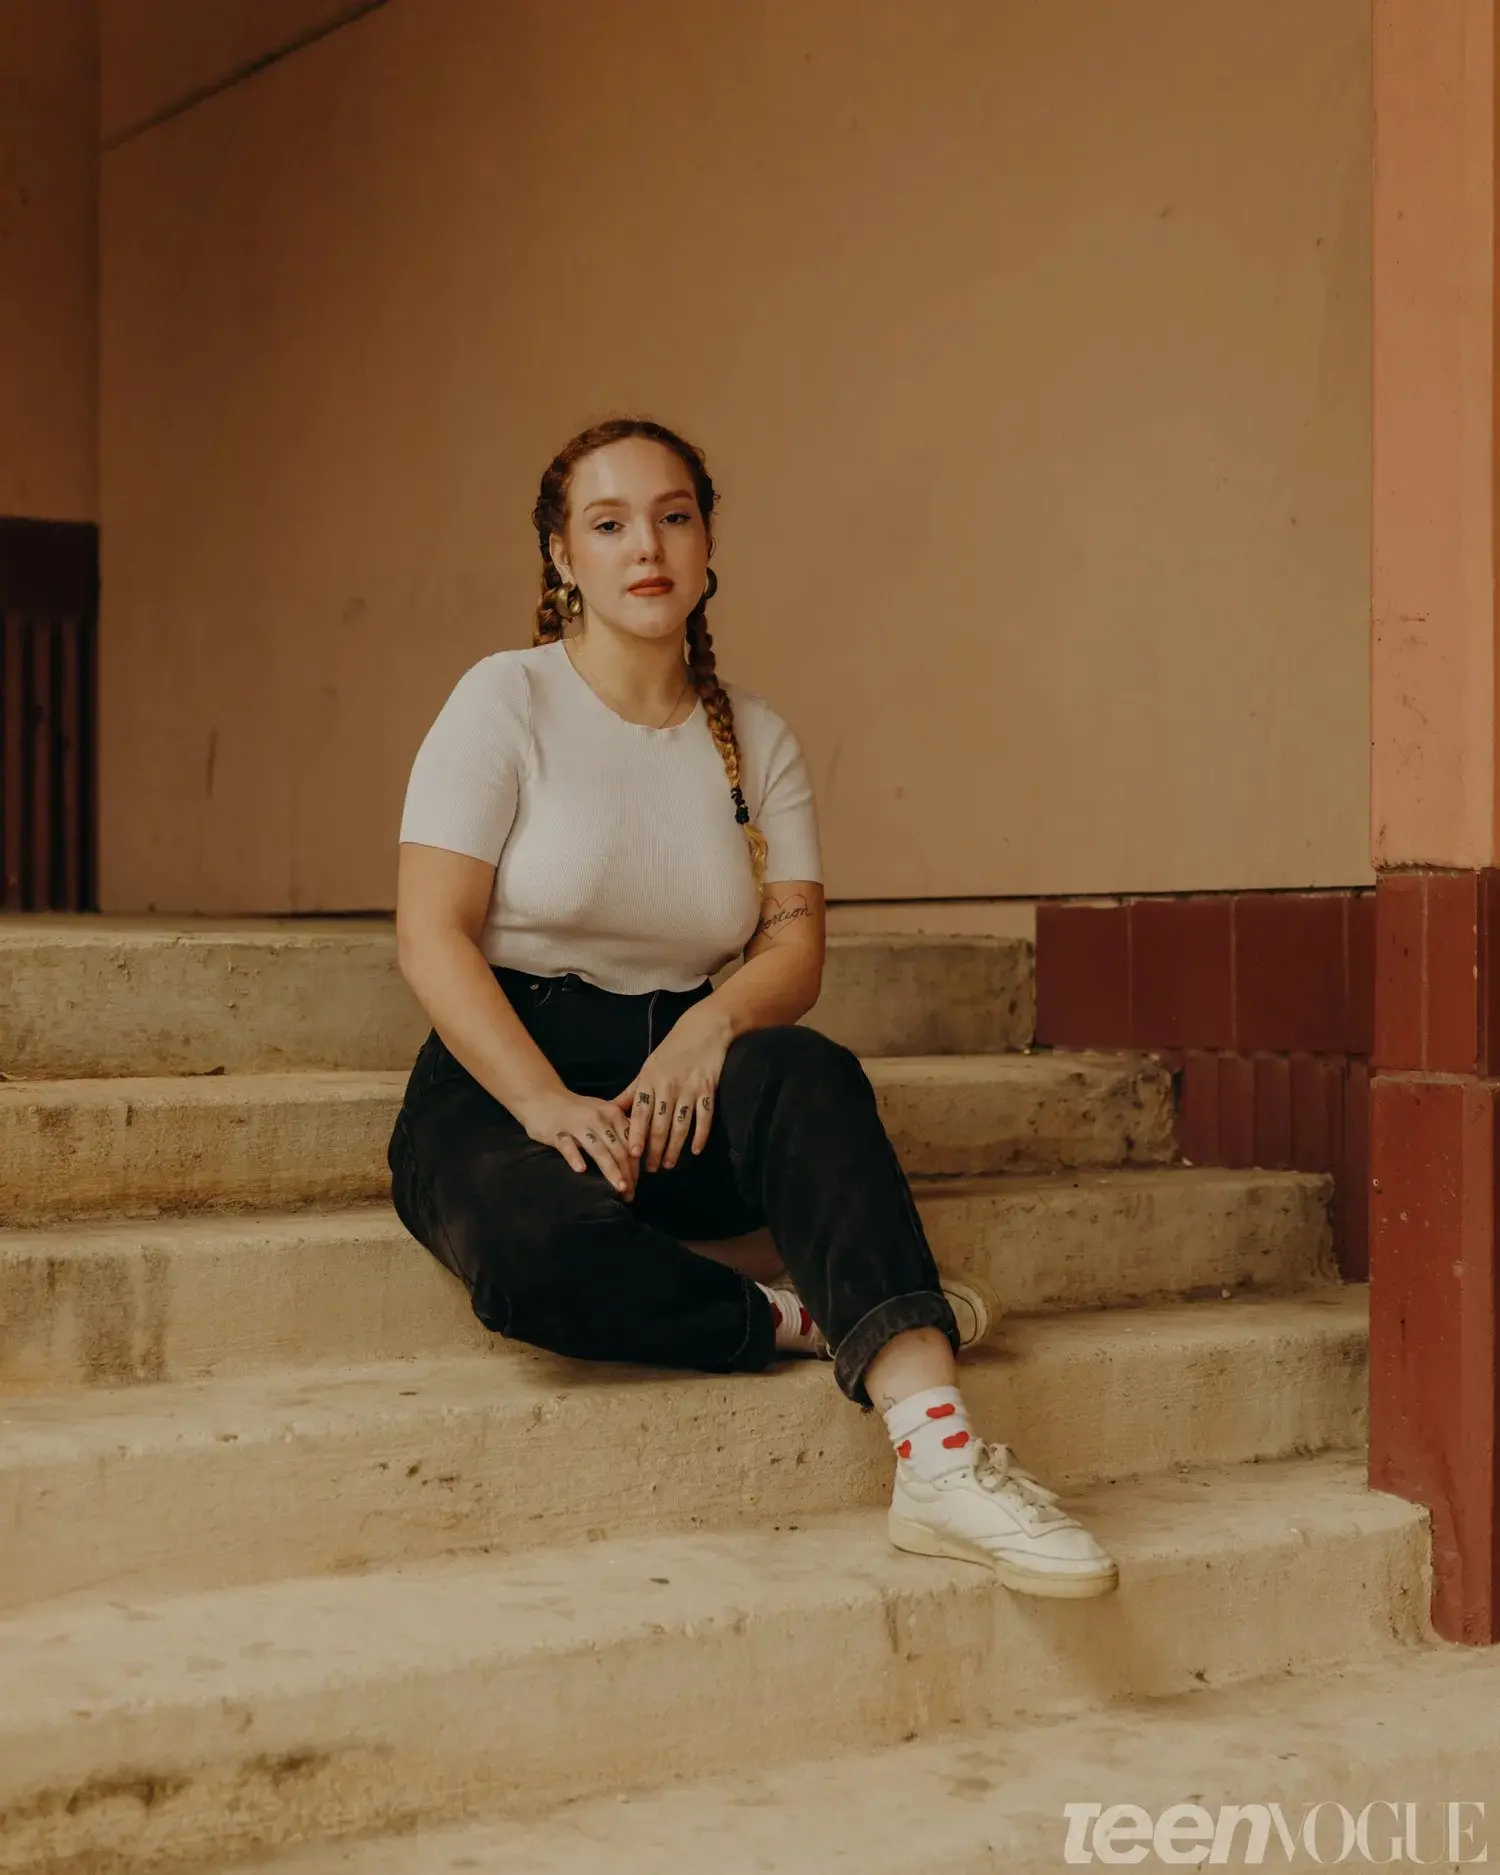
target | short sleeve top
[{"x": 617, "y": 853}]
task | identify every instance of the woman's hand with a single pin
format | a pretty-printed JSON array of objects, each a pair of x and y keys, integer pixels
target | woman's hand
[
  {"x": 576, "y": 1124},
  {"x": 675, "y": 1091}
]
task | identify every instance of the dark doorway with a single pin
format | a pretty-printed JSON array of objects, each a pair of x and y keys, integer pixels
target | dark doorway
[{"x": 49, "y": 622}]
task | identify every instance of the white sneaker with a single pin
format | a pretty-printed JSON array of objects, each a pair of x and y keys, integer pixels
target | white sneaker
[
  {"x": 976, "y": 1310},
  {"x": 993, "y": 1512}
]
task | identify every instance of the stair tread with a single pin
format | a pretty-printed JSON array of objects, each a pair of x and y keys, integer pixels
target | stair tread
[
  {"x": 205, "y": 1089},
  {"x": 119, "y": 999},
  {"x": 994, "y": 1799},
  {"x": 112, "y": 930},
  {"x": 79, "y": 1422},
  {"x": 217, "y": 1230},
  {"x": 1045, "y": 1067},
  {"x": 62, "y": 1659},
  {"x": 210, "y": 1141}
]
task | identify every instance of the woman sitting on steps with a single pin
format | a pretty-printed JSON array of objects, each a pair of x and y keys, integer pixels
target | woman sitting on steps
[{"x": 593, "y": 828}]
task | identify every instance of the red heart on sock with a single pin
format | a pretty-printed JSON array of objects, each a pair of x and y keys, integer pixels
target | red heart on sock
[
  {"x": 954, "y": 1440},
  {"x": 904, "y": 1448},
  {"x": 941, "y": 1412}
]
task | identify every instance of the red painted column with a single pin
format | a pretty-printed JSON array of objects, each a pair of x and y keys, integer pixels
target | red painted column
[
  {"x": 1435, "y": 1381},
  {"x": 1434, "y": 1167}
]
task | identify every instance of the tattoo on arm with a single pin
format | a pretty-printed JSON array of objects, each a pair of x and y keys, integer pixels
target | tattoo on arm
[{"x": 779, "y": 913}]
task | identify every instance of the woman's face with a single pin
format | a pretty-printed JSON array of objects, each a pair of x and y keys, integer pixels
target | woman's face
[{"x": 634, "y": 544}]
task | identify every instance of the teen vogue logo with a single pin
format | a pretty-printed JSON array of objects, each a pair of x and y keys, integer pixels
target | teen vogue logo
[{"x": 1415, "y": 1835}]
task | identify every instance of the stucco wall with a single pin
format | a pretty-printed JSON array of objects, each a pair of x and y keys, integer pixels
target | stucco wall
[
  {"x": 49, "y": 105},
  {"x": 1030, "y": 346},
  {"x": 159, "y": 54}
]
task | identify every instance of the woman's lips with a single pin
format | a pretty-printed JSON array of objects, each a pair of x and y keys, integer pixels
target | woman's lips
[{"x": 649, "y": 588}]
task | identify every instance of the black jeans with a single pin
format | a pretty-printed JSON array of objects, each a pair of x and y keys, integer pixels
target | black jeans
[{"x": 559, "y": 1259}]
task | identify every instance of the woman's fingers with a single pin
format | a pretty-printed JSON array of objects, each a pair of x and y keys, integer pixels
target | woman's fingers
[
  {"x": 568, "y": 1147},
  {"x": 604, "y": 1154},
  {"x": 661, "y": 1127},
  {"x": 682, "y": 1121},
  {"x": 640, "y": 1121},
  {"x": 703, "y": 1119},
  {"x": 594, "y": 1145},
  {"x": 598, "y": 1134},
  {"x": 621, "y": 1166}
]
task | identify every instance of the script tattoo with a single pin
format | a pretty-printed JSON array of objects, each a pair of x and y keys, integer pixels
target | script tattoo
[{"x": 780, "y": 912}]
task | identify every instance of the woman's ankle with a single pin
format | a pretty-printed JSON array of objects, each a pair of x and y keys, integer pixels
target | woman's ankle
[{"x": 910, "y": 1363}]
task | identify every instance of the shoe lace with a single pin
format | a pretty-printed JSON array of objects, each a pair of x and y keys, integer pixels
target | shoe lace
[{"x": 996, "y": 1470}]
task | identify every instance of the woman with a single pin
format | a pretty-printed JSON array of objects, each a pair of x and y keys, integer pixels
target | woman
[{"x": 593, "y": 828}]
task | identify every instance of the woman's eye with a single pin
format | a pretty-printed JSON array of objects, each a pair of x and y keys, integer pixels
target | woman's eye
[
  {"x": 603, "y": 527},
  {"x": 680, "y": 514}
]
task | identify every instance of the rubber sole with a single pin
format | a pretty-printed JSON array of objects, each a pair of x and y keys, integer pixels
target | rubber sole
[
  {"x": 981, "y": 1300},
  {"x": 918, "y": 1540}
]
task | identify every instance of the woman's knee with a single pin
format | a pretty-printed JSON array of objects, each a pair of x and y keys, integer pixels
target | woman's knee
[
  {"x": 509, "y": 1223},
  {"x": 794, "y": 1052},
  {"x": 522, "y": 1270}
]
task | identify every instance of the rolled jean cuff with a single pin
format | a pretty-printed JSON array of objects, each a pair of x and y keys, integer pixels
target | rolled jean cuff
[{"x": 923, "y": 1308}]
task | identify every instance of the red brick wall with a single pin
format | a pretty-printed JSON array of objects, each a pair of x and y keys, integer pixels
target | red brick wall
[{"x": 1262, "y": 1004}]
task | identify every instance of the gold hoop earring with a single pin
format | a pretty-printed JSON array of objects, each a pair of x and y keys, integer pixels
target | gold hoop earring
[{"x": 572, "y": 602}]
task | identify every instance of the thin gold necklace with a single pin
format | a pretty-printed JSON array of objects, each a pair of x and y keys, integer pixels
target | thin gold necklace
[{"x": 613, "y": 703}]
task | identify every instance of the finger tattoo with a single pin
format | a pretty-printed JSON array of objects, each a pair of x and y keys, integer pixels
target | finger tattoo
[
  {"x": 683, "y": 1112},
  {"x": 592, "y": 1138},
  {"x": 643, "y": 1100},
  {"x": 662, "y": 1107},
  {"x": 705, "y": 1103},
  {"x": 612, "y": 1137}
]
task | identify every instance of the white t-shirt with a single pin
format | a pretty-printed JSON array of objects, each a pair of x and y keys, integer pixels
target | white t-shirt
[{"x": 617, "y": 853}]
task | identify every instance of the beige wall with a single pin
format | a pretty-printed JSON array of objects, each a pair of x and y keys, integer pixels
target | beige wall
[
  {"x": 1030, "y": 345},
  {"x": 158, "y": 54},
  {"x": 49, "y": 105}
]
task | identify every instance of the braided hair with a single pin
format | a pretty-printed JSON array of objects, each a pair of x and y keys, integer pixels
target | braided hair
[{"x": 549, "y": 516}]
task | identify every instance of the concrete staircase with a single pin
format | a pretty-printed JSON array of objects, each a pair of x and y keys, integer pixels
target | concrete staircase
[{"x": 295, "y": 1554}]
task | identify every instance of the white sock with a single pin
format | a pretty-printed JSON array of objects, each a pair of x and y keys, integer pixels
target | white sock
[
  {"x": 931, "y": 1432},
  {"x": 796, "y": 1331}
]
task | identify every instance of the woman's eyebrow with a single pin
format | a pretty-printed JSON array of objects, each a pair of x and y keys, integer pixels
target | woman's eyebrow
[{"x": 619, "y": 501}]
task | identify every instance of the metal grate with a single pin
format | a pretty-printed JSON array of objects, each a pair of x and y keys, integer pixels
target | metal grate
[{"x": 48, "y": 715}]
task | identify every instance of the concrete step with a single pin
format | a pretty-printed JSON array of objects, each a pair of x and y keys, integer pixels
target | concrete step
[
  {"x": 235, "y": 1481},
  {"x": 144, "y": 1735},
  {"x": 123, "y": 1147},
  {"x": 993, "y": 1802},
  {"x": 98, "y": 996},
  {"x": 88, "y": 1304},
  {"x": 910, "y": 995}
]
